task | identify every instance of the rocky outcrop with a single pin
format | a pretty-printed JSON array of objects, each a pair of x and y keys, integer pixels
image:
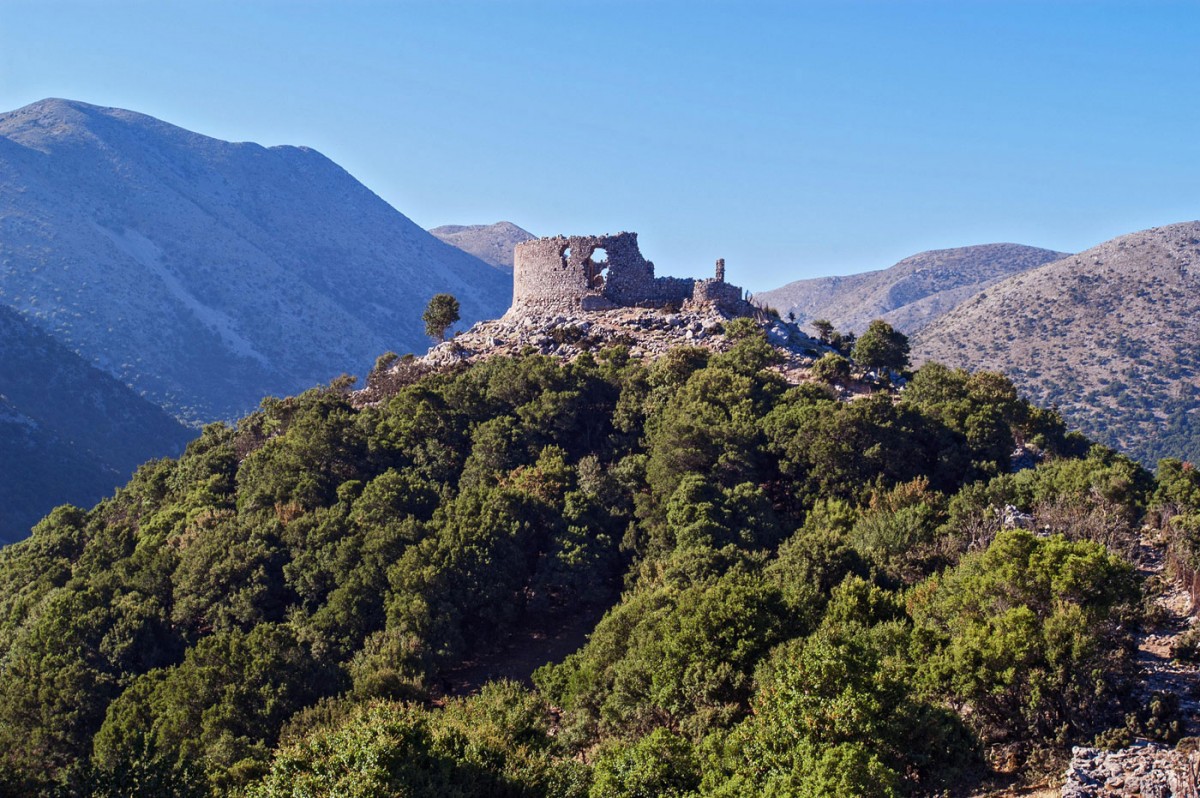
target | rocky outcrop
[
  {"x": 1149, "y": 770},
  {"x": 648, "y": 334},
  {"x": 1146, "y": 768}
]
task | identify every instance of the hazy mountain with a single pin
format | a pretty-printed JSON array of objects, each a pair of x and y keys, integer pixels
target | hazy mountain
[
  {"x": 1109, "y": 335},
  {"x": 491, "y": 243},
  {"x": 68, "y": 432},
  {"x": 205, "y": 273},
  {"x": 911, "y": 293}
]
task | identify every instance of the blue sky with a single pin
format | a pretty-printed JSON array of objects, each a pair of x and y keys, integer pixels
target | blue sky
[{"x": 793, "y": 139}]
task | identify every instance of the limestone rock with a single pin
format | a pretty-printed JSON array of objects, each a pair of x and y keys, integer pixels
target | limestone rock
[{"x": 1147, "y": 770}]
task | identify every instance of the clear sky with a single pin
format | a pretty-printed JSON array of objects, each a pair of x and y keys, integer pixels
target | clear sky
[{"x": 793, "y": 139}]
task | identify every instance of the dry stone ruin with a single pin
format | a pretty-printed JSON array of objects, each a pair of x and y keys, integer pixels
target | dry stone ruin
[{"x": 572, "y": 273}]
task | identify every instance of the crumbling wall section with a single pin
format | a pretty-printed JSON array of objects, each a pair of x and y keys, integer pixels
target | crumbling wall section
[
  {"x": 716, "y": 292},
  {"x": 568, "y": 273},
  {"x": 656, "y": 292}
]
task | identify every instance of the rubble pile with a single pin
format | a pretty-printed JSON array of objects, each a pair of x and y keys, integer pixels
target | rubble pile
[{"x": 1148, "y": 770}]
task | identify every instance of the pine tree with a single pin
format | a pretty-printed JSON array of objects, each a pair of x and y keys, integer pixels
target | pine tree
[{"x": 440, "y": 313}]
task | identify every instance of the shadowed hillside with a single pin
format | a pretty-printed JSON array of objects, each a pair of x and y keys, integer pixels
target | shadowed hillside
[{"x": 68, "y": 432}]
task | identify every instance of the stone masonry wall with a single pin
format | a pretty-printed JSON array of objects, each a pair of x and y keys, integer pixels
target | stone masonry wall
[
  {"x": 567, "y": 273},
  {"x": 542, "y": 277},
  {"x": 716, "y": 292}
]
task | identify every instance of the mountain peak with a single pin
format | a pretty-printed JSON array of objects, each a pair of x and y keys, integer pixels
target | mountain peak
[
  {"x": 76, "y": 112},
  {"x": 207, "y": 273},
  {"x": 491, "y": 243}
]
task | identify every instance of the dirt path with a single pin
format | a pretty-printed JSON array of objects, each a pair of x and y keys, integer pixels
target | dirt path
[
  {"x": 1159, "y": 672},
  {"x": 1149, "y": 769}
]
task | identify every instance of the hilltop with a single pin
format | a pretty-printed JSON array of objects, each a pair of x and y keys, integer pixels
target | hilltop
[
  {"x": 205, "y": 273},
  {"x": 580, "y": 294},
  {"x": 646, "y": 334},
  {"x": 908, "y": 295},
  {"x": 1109, "y": 336},
  {"x": 491, "y": 243}
]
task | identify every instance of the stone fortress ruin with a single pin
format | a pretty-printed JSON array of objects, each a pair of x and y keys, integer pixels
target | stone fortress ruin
[{"x": 572, "y": 273}]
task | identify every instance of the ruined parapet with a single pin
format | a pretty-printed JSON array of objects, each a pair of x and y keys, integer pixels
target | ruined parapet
[
  {"x": 718, "y": 292},
  {"x": 569, "y": 273},
  {"x": 557, "y": 273}
]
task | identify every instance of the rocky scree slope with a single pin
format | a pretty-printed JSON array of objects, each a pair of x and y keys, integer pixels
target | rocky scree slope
[
  {"x": 207, "y": 273},
  {"x": 648, "y": 333},
  {"x": 910, "y": 294},
  {"x": 68, "y": 432},
  {"x": 1110, "y": 336},
  {"x": 491, "y": 243}
]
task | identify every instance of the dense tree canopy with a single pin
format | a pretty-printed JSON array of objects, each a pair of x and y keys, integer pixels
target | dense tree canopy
[{"x": 797, "y": 595}]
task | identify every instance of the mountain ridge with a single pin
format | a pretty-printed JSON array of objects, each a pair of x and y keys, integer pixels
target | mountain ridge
[
  {"x": 209, "y": 273},
  {"x": 1109, "y": 336},
  {"x": 910, "y": 293},
  {"x": 491, "y": 243}
]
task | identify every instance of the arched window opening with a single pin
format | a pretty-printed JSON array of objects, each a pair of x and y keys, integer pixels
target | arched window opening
[{"x": 598, "y": 268}]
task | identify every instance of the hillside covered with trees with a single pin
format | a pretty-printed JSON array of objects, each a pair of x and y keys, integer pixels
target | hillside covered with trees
[{"x": 798, "y": 595}]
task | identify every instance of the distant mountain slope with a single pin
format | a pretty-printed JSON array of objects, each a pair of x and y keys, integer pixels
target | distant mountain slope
[
  {"x": 911, "y": 293},
  {"x": 207, "y": 273},
  {"x": 491, "y": 243},
  {"x": 68, "y": 432},
  {"x": 1111, "y": 336}
]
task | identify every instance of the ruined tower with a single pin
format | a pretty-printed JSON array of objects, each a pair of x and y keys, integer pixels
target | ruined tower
[{"x": 570, "y": 273}]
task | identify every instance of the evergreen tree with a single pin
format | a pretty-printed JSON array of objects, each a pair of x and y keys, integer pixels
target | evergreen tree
[
  {"x": 825, "y": 331},
  {"x": 882, "y": 346},
  {"x": 440, "y": 313}
]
